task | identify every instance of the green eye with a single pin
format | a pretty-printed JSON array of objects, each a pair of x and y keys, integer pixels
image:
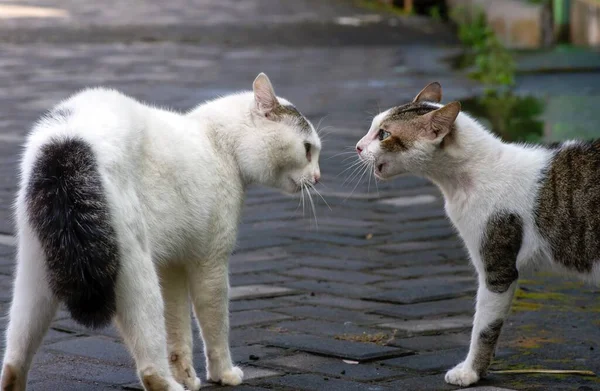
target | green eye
[{"x": 382, "y": 135}]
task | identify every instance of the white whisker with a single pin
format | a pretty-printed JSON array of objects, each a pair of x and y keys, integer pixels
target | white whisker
[{"x": 319, "y": 194}]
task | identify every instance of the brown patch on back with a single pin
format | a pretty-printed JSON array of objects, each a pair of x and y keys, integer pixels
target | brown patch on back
[
  {"x": 153, "y": 381},
  {"x": 11, "y": 380}
]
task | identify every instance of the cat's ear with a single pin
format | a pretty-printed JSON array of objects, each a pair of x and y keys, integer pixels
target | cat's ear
[
  {"x": 431, "y": 93},
  {"x": 264, "y": 94},
  {"x": 439, "y": 123}
]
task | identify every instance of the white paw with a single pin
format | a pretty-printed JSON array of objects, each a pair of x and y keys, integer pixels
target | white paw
[
  {"x": 461, "y": 375},
  {"x": 193, "y": 384},
  {"x": 230, "y": 377}
]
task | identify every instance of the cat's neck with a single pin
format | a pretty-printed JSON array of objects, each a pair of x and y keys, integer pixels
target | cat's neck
[
  {"x": 472, "y": 160},
  {"x": 225, "y": 123}
]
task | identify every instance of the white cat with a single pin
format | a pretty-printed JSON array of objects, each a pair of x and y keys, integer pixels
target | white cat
[
  {"x": 119, "y": 199},
  {"x": 517, "y": 207}
]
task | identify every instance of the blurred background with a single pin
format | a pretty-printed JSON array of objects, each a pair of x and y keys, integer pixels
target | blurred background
[{"x": 376, "y": 277}]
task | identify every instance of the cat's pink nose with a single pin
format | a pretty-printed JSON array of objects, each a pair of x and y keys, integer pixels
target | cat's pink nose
[
  {"x": 317, "y": 178},
  {"x": 359, "y": 149}
]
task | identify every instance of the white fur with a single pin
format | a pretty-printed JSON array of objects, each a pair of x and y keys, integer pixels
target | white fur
[
  {"x": 175, "y": 184},
  {"x": 478, "y": 175}
]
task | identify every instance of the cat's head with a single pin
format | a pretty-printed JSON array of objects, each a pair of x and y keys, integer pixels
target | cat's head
[
  {"x": 290, "y": 144},
  {"x": 410, "y": 138}
]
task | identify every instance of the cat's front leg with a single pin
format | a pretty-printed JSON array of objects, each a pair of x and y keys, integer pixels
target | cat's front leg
[
  {"x": 175, "y": 291},
  {"x": 492, "y": 309},
  {"x": 210, "y": 296},
  {"x": 496, "y": 264}
]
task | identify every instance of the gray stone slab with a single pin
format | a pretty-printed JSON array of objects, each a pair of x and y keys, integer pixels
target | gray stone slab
[
  {"x": 433, "y": 342},
  {"x": 77, "y": 369},
  {"x": 258, "y": 291},
  {"x": 335, "y": 348},
  {"x": 315, "y": 382},
  {"x": 334, "y": 275},
  {"x": 429, "y": 326},
  {"x": 427, "y": 270},
  {"x": 319, "y": 327},
  {"x": 334, "y": 288},
  {"x": 333, "y": 367},
  {"x": 430, "y": 362},
  {"x": 69, "y": 385},
  {"x": 253, "y": 317},
  {"x": 334, "y": 314},
  {"x": 256, "y": 304},
  {"x": 422, "y": 383},
  {"x": 332, "y": 263},
  {"x": 428, "y": 309},
  {"x": 423, "y": 293},
  {"x": 100, "y": 348},
  {"x": 335, "y": 301}
]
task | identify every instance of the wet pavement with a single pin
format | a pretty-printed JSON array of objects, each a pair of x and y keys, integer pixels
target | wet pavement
[{"x": 377, "y": 293}]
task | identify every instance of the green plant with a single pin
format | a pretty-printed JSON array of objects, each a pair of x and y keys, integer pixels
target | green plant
[
  {"x": 493, "y": 63},
  {"x": 513, "y": 117}
]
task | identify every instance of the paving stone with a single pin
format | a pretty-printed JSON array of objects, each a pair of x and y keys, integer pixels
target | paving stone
[
  {"x": 257, "y": 279},
  {"x": 314, "y": 382},
  {"x": 333, "y": 367},
  {"x": 319, "y": 327},
  {"x": 422, "y": 383},
  {"x": 55, "y": 336},
  {"x": 433, "y": 342},
  {"x": 487, "y": 388},
  {"x": 69, "y": 325},
  {"x": 423, "y": 293},
  {"x": 335, "y": 348},
  {"x": 73, "y": 385},
  {"x": 77, "y": 369},
  {"x": 427, "y": 326},
  {"x": 427, "y": 309},
  {"x": 256, "y": 304},
  {"x": 335, "y": 301},
  {"x": 407, "y": 247},
  {"x": 332, "y": 263},
  {"x": 256, "y": 267},
  {"x": 258, "y": 291},
  {"x": 99, "y": 348},
  {"x": 254, "y": 353},
  {"x": 247, "y": 336},
  {"x": 253, "y": 317},
  {"x": 334, "y": 314},
  {"x": 429, "y": 362},
  {"x": 426, "y": 270},
  {"x": 273, "y": 253},
  {"x": 335, "y": 288},
  {"x": 333, "y": 275}
]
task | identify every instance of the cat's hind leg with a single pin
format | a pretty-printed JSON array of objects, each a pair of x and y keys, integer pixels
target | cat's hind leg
[
  {"x": 210, "y": 295},
  {"x": 175, "y": 291},
  {"x": 140, "y": 318},
  {"x": 33, "y": 307}
]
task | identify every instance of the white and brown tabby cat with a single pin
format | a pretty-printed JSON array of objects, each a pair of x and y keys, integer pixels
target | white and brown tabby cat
[{"x": 515, "y": 206}]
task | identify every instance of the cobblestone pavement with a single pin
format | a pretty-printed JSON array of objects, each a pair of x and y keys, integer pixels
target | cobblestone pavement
[{"x": 379, "y": 295}]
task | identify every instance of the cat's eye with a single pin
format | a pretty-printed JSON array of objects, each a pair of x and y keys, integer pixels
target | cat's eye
[
  {"x": 382, "y": 135},
  {"x": 307, "y": 147}
]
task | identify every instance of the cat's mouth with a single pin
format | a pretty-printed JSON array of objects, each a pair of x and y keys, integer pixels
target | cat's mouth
[{"x": 379, "y": 170}]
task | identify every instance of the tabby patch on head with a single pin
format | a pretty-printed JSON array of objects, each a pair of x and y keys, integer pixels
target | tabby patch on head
[
  {"x": 289, "y": 113},
  {"x": 403, "y": 130}
]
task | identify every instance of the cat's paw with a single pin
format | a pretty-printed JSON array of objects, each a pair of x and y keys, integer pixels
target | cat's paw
[
  {"x": 461, "y": 375},
  {"x": 230, "y": 377}
]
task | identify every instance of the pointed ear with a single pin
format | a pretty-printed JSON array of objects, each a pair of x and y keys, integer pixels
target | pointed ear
[
  {"x": 264, "y": 95},
  {"x": 431, "y": 93},
  {"x": 438, "y": 123}
]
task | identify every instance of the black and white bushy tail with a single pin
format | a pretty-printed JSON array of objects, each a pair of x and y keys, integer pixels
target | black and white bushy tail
[{"x": 68, "y": 210}]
